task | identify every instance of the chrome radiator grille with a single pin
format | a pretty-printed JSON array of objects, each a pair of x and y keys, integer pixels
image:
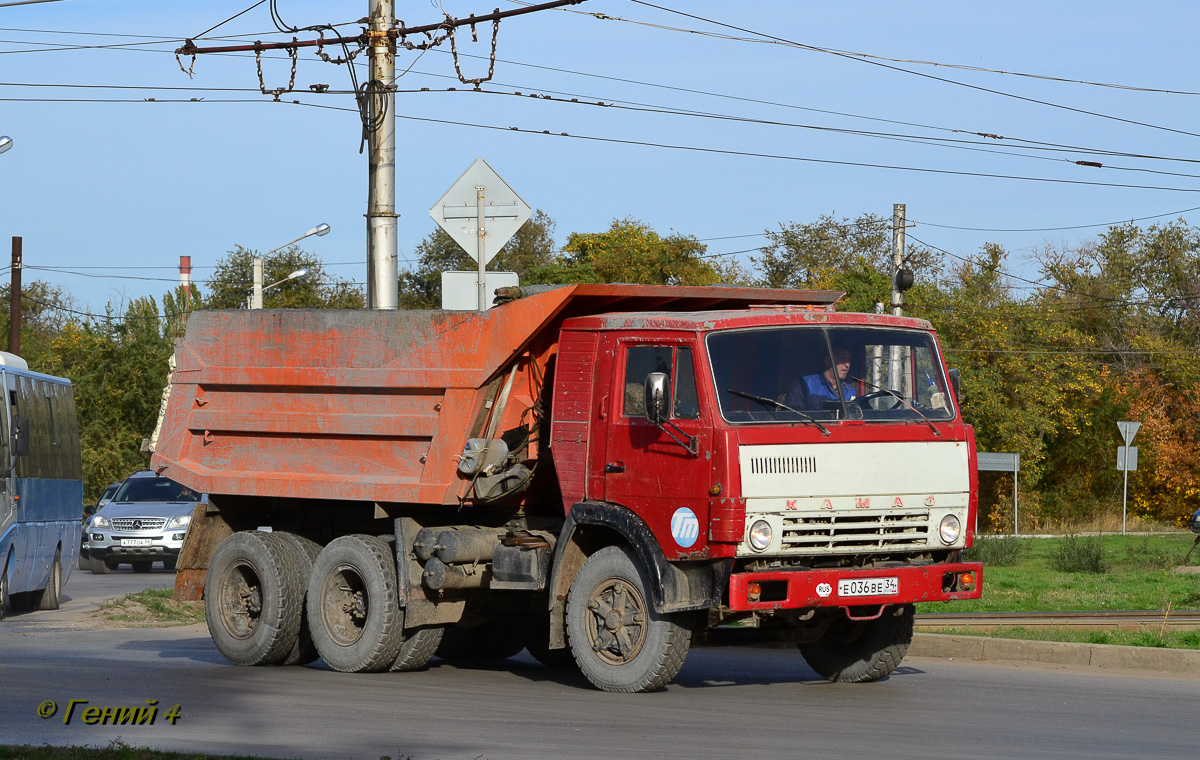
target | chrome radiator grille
[
  {"x": 138, "y": 523},
  {"x": 856, "y": 531}
]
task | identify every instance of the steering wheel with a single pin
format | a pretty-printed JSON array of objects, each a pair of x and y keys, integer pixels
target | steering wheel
[{"x": 862, "y": 400}]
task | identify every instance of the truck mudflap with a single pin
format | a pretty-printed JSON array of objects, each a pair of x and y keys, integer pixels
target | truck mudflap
[{"x": 843, "y": 587}]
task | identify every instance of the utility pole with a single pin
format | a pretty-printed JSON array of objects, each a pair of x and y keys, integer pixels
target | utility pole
[
  {"x": 382, "y": 244},
  {"x": 895, "y": 370},
  {"x": 14, "y": 303},
  {"x": 256, "y": 292}
]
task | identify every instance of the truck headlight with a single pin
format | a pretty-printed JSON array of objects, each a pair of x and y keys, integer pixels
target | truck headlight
[
  {"x": 179, "y": 521},
  {"x": 760, "y": 535},
  {"x": 949, "y": 529}
]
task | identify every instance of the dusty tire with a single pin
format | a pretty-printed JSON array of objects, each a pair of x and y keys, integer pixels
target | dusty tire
[
  {"x": 860, "y": 651},
  {"x": 252, "y": 599},
  {"x": 4, "y": 592},
  {"x": 619, "y": 642},
  {"x": 111, "y": 564},
  {"x": 142, "y": 565},
  {"x": 417, "y": 650},
  {"x": 98, "y": 566},
  {"x": 48, "y": 598},
  {"x": 304, "y": 555},
  {"x": 491, "y": 640},
  {"x": 353, "y": 610},
  {"x": 537, "y": 643}
]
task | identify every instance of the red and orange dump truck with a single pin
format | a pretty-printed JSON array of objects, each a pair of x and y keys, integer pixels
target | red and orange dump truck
[{"x": 603, "y": 473}]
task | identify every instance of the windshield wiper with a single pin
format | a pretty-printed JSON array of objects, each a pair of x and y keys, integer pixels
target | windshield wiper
[
  {"x": 890, "y": 392},
  {"x": 772, "y": 402}
]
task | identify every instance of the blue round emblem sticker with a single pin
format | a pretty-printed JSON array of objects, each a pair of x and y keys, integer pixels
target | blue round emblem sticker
[{"x": 685, "y": 528}]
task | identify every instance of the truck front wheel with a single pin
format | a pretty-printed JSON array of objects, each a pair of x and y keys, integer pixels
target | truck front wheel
[
  {"x": 618, "y": 640},
  {"x": 354, "y": 613},
  {"x": 252, "y": 599},
  {"x": 857, "y": 651}
]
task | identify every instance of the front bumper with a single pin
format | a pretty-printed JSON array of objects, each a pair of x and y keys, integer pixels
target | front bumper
[
  {"x": 799, "y": 589},
  {"x": 108, "y": 544}
]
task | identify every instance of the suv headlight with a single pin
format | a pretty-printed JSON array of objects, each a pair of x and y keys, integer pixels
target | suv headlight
[
  {"x": 179, "y": 521},
  {"x": 760, "y": 535},
  {"x": 99, "y": 521},
  {"x": 949, "y": 529}
]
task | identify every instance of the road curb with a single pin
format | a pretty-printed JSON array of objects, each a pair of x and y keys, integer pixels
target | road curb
[{"x": 1107, "y": 656}]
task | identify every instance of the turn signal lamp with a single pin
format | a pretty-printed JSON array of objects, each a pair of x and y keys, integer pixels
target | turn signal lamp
[
  {"x": 966, "y": 581},
  {"x": 753, "y": 592}
]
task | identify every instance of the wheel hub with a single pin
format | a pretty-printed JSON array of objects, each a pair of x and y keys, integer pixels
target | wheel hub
[{"x": 618, "y": 612}]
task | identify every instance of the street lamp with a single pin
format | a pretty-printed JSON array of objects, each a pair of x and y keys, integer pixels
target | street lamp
[
  {"x": 256, "y": 297},
  {"x": 5, "y": 143}
]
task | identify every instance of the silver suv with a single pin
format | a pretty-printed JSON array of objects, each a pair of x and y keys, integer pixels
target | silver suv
[{"x": 144, "y": 523}]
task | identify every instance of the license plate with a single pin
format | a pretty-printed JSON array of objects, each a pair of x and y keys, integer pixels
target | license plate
[
  {"x": 135, "y": 542},
  {"x": 868, "y": 586}
]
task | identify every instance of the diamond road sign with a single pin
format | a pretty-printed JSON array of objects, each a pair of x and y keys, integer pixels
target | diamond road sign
[
  {"x": 458, "y": 211},
  {"x": 1128, "y": 430}
]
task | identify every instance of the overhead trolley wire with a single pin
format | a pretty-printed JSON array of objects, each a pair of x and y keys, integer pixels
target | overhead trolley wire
[{"x": 923, "y": 75}]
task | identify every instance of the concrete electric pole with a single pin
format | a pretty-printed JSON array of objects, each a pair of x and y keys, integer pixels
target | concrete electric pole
[{"x": 383, "y": 287}]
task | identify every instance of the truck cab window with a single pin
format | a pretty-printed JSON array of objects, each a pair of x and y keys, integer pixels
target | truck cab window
[{"x": 676, "y": 364}]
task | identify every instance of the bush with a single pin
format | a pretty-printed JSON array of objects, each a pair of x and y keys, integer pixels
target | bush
[
  {"x": 1080, "y": 554},
  {"x": 1149, "y": 557},
  {"x": 999, "y": 550}
]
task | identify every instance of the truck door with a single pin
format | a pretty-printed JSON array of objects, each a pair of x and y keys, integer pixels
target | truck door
[{"x": 646, "y": 469}]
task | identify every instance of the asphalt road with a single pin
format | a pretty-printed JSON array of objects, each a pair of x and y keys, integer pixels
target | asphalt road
[{"x": 739, "y": 702}]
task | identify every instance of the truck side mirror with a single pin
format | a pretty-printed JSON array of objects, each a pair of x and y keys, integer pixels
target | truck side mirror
[
  {"x": 657, "y": 398},
  {"x": 955, "y": 383},
  {"x": 20, "y": 436}
]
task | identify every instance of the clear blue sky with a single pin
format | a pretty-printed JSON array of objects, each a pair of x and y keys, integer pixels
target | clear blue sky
[{"x": 125, "y": 188}]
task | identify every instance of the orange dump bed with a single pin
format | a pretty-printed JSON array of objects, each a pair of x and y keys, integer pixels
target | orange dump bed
[{"x": 374, "y": 405}]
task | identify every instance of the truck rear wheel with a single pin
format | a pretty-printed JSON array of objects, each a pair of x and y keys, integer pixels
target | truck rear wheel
[
  {"x": 857, "y": 651},
  {"x": 252, "y": 599},
  {"x": 304, "y": 556},
  {"x": 417, "y": 650},
  {"x": 618, "y": 640},
  {"x": 496, "y": 639},
  {"x": 353, "y": 610}
]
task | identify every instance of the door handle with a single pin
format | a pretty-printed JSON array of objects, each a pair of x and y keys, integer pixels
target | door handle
[{"x": 614, "y": 467}]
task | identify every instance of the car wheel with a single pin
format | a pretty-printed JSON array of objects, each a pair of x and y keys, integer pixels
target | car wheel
[
  {"x": 619, "y": 642},
  {"x": 252, "y": 598},
  {"x": 353, "y": 611},
  {"x": 98, "y": 566},
  {"x": 48, "y": 598},
  {"x": 142, "y": 565},
  {"x": 169, "y": 562}
]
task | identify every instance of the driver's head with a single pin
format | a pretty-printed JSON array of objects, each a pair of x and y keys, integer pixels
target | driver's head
[{"x": 841, "y": 360}]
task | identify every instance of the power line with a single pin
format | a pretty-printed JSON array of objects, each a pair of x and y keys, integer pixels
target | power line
[
  {"x": 1058, "y": 229},
  {"x": 964, "y": 67},
  {"x": 918, "y": 73}
]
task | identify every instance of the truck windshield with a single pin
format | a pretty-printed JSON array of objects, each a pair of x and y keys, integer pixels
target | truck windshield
[{"x": 799, "y": 373}]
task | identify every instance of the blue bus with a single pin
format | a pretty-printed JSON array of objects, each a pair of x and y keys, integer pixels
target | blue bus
[{"x": 41, "y": 491}]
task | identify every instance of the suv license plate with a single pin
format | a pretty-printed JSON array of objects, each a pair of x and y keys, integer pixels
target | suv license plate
[
  {"x": 868, "y": 586},
  {"x": 135, "y": 542}
]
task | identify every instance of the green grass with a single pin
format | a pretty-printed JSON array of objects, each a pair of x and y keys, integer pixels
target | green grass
[
  {"x": 152, "y": 607},
  {"x": 1151, "y": 637},
  {"x": 1137, "y": 576}
]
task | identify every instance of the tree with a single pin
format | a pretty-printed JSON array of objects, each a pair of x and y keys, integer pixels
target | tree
[
  {"x": 233, "y": 281},
  {"x": 530, "y": 249},
  {"x": 851, "y": 256},
  {"x": 630, "y": 251}
]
